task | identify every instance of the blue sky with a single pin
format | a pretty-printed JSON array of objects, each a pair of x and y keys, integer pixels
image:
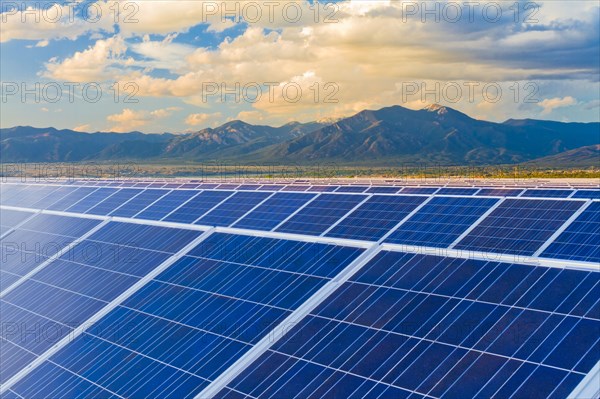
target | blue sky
[{"x": 185, "y": 65}]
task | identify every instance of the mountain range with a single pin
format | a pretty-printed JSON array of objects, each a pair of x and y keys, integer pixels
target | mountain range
[{"x": 435, "y": 134}]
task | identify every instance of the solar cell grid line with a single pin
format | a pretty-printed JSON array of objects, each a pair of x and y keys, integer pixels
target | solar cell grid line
[
  {"x": 577, "y": 240},
  {"x": 113, "y": 202},
  {"x": 198, "y": 206},
  {"x": 546, "y": 193},
  {"x": 318, "y": 215},
  {"x": 441, "y": 221},
  {"x": 374, "y": 218},
  {"x": 519, "y": 226},
  {"x": 92, "y": 200},
  {"x": 167, "y": 204},
  {"x": 32, "y": 194},
  {"x": 234, "y": 208},
  {"x": 151, "y": 309},
  {"x": 62, "y": 204},
  {"x": 99, "y": 311},
  {"x": 382, "y": 348},
  {"x": 273, "y": 211},
  {"x": 138, "y": 203}
]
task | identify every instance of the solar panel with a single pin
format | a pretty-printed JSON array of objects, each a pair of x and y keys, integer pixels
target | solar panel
[
  {"x": 373, "y": 219},
  {"x": 10, "y": 219},
  {"x": 581, "y": 239},
  {"x": 167, "y": 204},
  {"x": 47, "y": 200},
  {"x": 138, "y": 203},
  {"x": 239, "y": 287},
  {"x": 197, "y": 206},
  {"x": 539, "y": 193},
  {"x": 65, "y": 293},
  {"x": 500, "y": 192},
  {"x": 591, "y": 194},
  {"x": 354, "y": 189},
  {"x": 419, "y": 190},
  {"x": 457, "y": 191},
  {"x": 92, "y": 200},
  {"x": 441, "y": 221},
  {"x": 114, "y": 201},
  {"x": 233, "y": 208},
  {"x": 273, "y": 211},
  {"x": 320, "y": 214},
  {"x": 519, "y": 226},
  {"x": 62, "y": 204},
  {"x": 384, "y": 190},
  {"x": 422, "y": 326}
]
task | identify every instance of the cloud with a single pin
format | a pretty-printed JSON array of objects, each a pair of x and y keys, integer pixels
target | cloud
[
  {"x": 129, "y": 119},
  {"x": 83, "y": 128},
  {"x": 203, "y": 119},
  {"x": 550, "y": 104},
  {"x": 96, "y": 63}
]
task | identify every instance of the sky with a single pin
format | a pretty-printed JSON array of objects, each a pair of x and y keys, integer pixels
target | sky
[{"x": 180, "y": 66}]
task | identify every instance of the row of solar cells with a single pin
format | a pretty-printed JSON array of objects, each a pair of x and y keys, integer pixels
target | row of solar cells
[
  {"x": 517, "y": 226},
  {"x": 404, "y": 326},
  {"x": 588, "y": 192}
]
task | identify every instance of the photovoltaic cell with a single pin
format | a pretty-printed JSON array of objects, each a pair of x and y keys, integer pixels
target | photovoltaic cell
[
  {"x": 540, "y": 193},
  {"x": 167, "y": 204},
  {"x": 441, "y": 221},
  {"x": 581, "y": 240},
  {"x": 273, "y": 211},
  {"x": 62, "y": 204},
  {"x": 234, "y": 289},
  {"x": 423, "y": 326},
  {"x": 457, "y": 191},
  {"x": 233, "y": 208},
  {"x": 66, "y": 292},
  {"x": 321, "y": 213},
  {"x": 138, "y": 203},
  {"x": 591, "y": 194},
  {"x": 384, "y": 190},
  {"x": 419, "y": 190},
  {"x": 10, "y": 219},
  {"x": 197, "y": 206},
  {"x": 500, "y": 192},
  {"x": 49, "y": 199},
  {"x": 519, "y": 226},
  {"x": 353, "y": 189},
  {"x": 373, "y": 219},
  {"x": 114, "y": 201},
  {"x": 92, "y": 200}
]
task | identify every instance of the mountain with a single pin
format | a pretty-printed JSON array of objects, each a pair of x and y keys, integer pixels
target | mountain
[
  {"x": 583, "y": 157},
  {"x": 436, "y": 135},
  {"x": 393, "y": 135}
]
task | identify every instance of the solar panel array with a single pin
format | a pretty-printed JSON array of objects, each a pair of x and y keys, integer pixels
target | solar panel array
[{"x": 201, "y": 289}]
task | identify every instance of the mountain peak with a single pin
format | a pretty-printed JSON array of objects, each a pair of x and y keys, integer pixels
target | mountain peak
[{"x": 440, "y": 109}]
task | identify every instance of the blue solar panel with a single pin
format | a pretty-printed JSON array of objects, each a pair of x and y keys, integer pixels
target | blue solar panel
[
  {"x": 581, "y": 239},
  {"x": 62, "y": 204},
  {"x": 321, "y": 213},
  {"x": 10, "y": 219},
  {"x": 92, "y": 200},
  {"x": 354, "y": 189},
  {"x": 199, "y": 316},
  {"x": 323, "y": 189},
  {"x": 197, "y": 206},
  {"x": 519, "y": 226},
  {"x": 441, "y": 221},
  {"x": 273, "y": 211},
  {"x": 66, "y": 292},
  {"x": 114, "y": 201},
  {"x": 373, "y": 219},
  {"x": 423, "y": 326},
  {"x": 457, "y": 191},
  {"x": 384, "y": 190},
  {"x": 166, "y": 204},
  {"x": 591, "y": 194},
  {"x": 233, "y": 208},
  {"x": 49, "y": 199},
  {"x": 138, "y": 203},
  {"x": 500, "y": 192},
  {"x": 541, "y": 193},
  {"x": 29, "y": 195},
  {"x": 419, "y": 190}
]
